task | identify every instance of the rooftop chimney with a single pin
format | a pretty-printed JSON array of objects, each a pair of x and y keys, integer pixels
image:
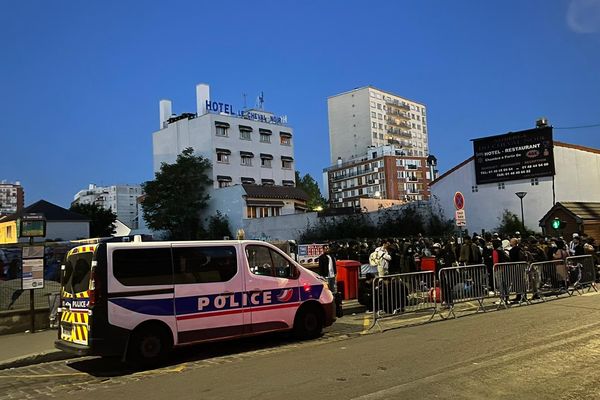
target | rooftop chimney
[
  {"x": 165, "y": 112},
  {"x": 202, "y": 96}
]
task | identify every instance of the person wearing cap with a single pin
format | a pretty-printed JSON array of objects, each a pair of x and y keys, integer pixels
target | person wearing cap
[{"x": 575, "y": 246}]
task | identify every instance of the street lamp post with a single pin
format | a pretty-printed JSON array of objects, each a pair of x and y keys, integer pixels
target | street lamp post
[{"x": 520, "y": 195}]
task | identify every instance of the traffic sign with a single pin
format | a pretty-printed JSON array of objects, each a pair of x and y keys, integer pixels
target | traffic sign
[
  {"x": 460, "y": 217},
  {"x": 459, "y": 201}
]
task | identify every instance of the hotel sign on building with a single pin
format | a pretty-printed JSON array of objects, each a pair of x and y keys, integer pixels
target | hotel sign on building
[
  {"x": 512, "y": 156},
  {"x": 254, "y": 115}
]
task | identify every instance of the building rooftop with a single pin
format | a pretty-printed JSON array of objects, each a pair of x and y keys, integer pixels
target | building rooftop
[
  {"x": 51, "y": 212},
  {"x": 275, "y": 192},
  {"x": 380, "y": 90},
  {"x": 581, "y": 211}
]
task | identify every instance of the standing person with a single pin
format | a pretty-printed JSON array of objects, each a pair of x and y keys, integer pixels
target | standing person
[
  {"x": 383, "y": 258},
  {"x": 469, "y": 252},
  {"x": 327, "y": 268},
  {"x": 575, "y": 246}
]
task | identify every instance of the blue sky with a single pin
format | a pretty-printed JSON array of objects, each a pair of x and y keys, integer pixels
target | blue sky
[{"x": 80, "y": 81}]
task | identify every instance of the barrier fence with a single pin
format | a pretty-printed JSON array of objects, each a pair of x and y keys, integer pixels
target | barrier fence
[
  {"x": 404, "y": 293},
  {"x": 582, "y": 273},
  {"x": 400, "y": 294},
  {"x": 463, "y": 284}
]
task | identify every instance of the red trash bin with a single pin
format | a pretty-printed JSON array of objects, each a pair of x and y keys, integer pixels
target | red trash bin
[
  {"x": 427, "y": 263},
  {"x": 347, "y": 273}
]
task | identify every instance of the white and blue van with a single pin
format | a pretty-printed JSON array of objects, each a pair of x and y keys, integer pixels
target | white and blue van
[{"x": 139, "y": 299}]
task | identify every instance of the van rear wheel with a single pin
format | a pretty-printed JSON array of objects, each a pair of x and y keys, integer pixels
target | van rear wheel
[
  {"x": 308, "y": 323},
  {"x": 148, "y": 347}
]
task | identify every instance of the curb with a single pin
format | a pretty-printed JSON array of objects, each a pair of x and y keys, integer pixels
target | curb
[{"x": 37, "y": 358}]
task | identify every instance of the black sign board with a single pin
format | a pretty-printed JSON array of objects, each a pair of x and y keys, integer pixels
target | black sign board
[
  {"x": 31, "y": 225},
  {"x": 516, "y": 155}
]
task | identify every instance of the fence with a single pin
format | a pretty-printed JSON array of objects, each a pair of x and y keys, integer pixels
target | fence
[
  {"x": 12, "y": 297},
  {"x": 404, "y": 293},
  {"x": 399, "y": 294},
  {"x": 463, "y": 284},
  {"x": 511, "y": 278},
  {"x": 582, "y": 273}
]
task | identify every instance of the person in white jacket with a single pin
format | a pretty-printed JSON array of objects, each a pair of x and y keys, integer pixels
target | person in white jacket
[{"x": 383, "y": 257}]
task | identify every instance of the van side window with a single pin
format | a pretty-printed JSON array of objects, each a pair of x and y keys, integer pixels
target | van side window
[
  {"x": 139, "y": 267},
  {"x": 204, "y": 264},
  {"x": 265, "y": 261}
]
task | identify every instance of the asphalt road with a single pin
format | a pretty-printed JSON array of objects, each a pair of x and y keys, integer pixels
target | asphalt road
[{"x": 540, "y": 351}]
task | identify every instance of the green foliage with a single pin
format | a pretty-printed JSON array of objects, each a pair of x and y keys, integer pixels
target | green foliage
[
  {"x": 174, "y": 199},
  {"x": 509, "y": 223},
  {"x": 102, "y": 221},
  {"x": 218, "y": 227},
  {"x": 310, "y": 186},
  {"x": 392, "y": 223}
]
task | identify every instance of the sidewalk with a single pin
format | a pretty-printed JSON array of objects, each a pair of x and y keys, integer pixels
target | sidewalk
[
  {"x": 25, "y": 349},
  {"x": 22, "y": 349}
]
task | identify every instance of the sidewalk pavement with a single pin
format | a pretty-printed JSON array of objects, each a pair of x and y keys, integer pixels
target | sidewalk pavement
[{"x": 21, "y": 349}]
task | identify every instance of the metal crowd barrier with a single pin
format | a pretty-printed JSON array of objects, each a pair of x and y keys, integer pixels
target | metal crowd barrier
[
  {"x": 582, "y": 273},
  {"x": 463, "y": 284},
  {"x": 549, "y": 278},
  {"x": 400, "y": 294},
  {"x": 511, "y": 278}
]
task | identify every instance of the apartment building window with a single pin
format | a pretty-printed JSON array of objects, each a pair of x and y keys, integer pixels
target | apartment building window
[
  {"x": 535, "y": 182},
  {"x": 223, "y": 156},
  {"x": 222, "y": 128},
  {"x": 374, "y": 135},
  {"x": 374, "y": 124},
  {"x": 247, "y": 157},
  {"x": 378, "y": 106},
  {"x": 285, "y": 138},
  {"x": 372, "y": 104},
  {"x": 265, "y": 160},
  {"x": 380, "y": 126},
  {"x": 245, "y": 132},
  {"x": 223, "y": 181},
  {"x": 501, "y": 186},
  {"x": 474, "y": 189},
  {"x": 247, "y": 180},
  {"x": 379, "y": 116},
  {"x": 373, "y": 114},
  {"x": 286, "y": 162},
  {"x": 287, "y": 183},
  {"x": 267, "y": 182}
]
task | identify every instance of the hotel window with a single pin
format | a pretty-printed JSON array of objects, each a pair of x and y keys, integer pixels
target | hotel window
[
  {"x": 287, "y": 183},
  {"x": 223, "y": 181},
  {"x": 265, "y": 160},
  {"x": 285, "y": 138},
  {"x": 245, "y": 132},
  {"x": 247, "y": 181},
  {"x": 501, "y": 186},
  {"x": 286, "y": 162},
  {"x": 222, "y": 128},
  {"x": 265, "y": 135},
  {"x": 474, "y": 189},
  {"x": 267, "y": 182},
  {"x": 223, "y": 156},
  {"x": 246, "y": 158}
]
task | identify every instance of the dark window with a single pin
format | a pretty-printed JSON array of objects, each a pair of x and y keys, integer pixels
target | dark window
[
  {"x": 77, "y": 272},
  {"x": 267, "y": 262},
  {"x": 204, "y": 264},
  {"x": 137, "y": 267}
]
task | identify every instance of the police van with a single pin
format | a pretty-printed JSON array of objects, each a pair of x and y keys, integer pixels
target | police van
[{"x": 137, "y": 300}]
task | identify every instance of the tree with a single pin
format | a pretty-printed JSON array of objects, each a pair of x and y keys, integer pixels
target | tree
[
  {"x": 510, "y": 223},
  {"x": 218, "y": 227},
  {"x": 102, "y": 221},
  {"x": 175, "y": 198},
  {"x": 310, "y": 186}
]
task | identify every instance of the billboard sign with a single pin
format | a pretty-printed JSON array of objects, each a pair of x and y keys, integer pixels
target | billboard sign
[{"x": 515, "y": 155}]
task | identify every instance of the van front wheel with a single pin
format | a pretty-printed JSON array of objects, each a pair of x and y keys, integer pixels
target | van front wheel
[
  {"x": 148, "y": 347},
  {"x": 308, "y": 323}
]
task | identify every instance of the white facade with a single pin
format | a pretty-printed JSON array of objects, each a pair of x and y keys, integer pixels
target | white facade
[
  {"x": 242, "y": 148},
  {"x": 121, "y": 199},
  {"x": 368, "y": 116},
  {"x": 577, "y": 176}
]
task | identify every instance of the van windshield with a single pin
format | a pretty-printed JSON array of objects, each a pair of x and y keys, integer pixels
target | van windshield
[{"x": 76, "y": 277}]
